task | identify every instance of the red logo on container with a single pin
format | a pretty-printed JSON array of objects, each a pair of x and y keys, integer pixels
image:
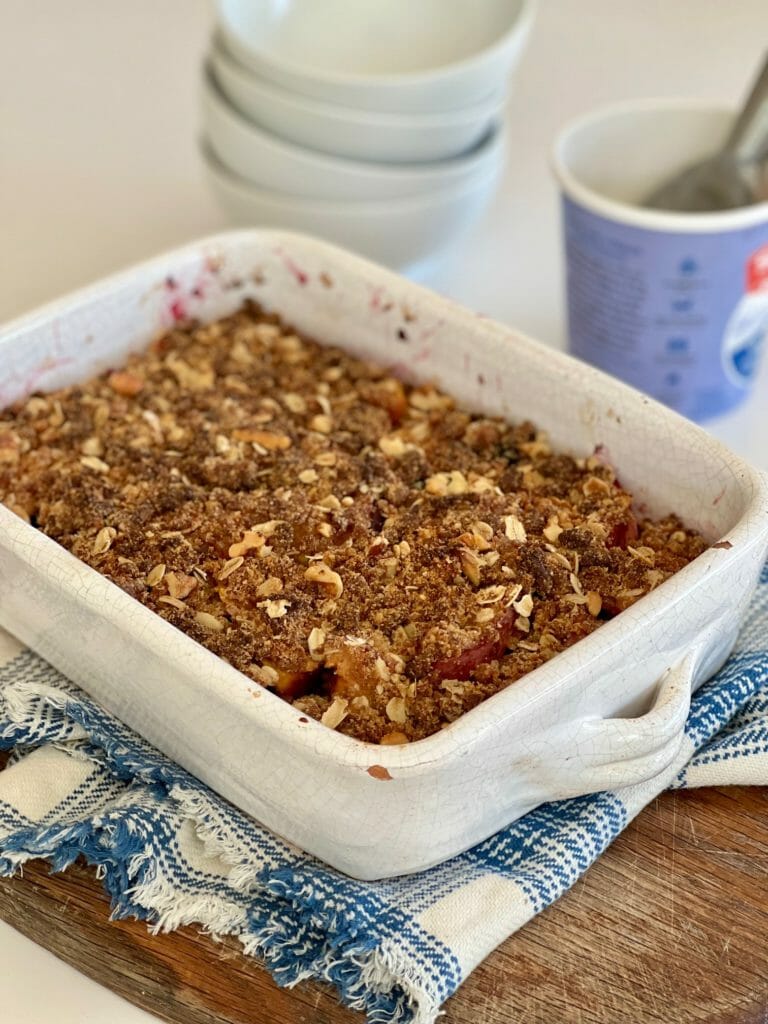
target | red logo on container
[{"x": 757, "y": 270}]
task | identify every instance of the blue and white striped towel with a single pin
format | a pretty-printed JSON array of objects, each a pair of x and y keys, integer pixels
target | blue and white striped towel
[{"x": 170, "y": 851}]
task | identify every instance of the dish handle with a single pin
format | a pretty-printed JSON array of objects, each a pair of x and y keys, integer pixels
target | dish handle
[{"x": 615, "y": 752}]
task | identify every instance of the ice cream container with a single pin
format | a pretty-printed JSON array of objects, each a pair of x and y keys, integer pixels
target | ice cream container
[{"x": 675, "y": 304}]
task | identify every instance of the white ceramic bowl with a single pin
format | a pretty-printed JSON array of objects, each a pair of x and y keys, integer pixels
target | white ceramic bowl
[
  {"x": 403, "y": 233},
  {"x": 419, "y": 56},
  {"x": 347, "y": 131},
  {"x": 608, "y": 712},
  {"x": 271, "y": 163}
]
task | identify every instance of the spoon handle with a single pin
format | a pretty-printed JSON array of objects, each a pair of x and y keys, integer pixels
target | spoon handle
[{"x": 748, "y": 139}]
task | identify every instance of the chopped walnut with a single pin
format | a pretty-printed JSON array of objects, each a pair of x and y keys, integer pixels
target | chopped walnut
[
  {"x": 275, "y": 609},
  {"x": 552, "y": 530},
  {"x": 179, "y": 584},
  {"x": 322, "y": 423},
  {"x": 252, "y": 540},
  {"x": 447, "y": 483},
  {"x": 325, "y": 577},
  {"x": 395, "y": 446}
]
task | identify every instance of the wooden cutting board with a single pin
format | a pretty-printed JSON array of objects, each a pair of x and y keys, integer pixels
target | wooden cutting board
[{"x": 670, "y": 926}]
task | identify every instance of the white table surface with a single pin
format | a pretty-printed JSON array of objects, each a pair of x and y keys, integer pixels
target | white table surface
[{"x": 99, "y": 168}]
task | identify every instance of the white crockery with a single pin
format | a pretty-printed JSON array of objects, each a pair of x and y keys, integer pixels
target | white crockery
[
  {"x": 403, "y": 233},
  {"x": 420, "y": 56},
  {"x": 348, "y": 131},
  {"x": 272, "y": 163},
  {"x": 607, "y": 712}
]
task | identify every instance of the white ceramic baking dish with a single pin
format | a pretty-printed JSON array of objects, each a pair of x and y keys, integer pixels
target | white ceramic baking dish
[{"x": 609, "y": 711}]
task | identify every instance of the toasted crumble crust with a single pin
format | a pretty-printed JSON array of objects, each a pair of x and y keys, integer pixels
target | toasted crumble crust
[{"x": 374, "y": 553}]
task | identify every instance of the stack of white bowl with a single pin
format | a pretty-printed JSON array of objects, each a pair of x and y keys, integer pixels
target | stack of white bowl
[{"x": 377, "y": 124}]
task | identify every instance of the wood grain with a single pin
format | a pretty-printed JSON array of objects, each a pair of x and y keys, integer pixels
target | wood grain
[{"x": 670, "y": 926}]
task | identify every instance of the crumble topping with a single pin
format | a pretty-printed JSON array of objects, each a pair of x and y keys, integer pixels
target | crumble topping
[{"x": 369, "y": 550}]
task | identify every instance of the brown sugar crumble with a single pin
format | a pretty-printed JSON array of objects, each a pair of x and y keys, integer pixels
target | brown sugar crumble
[{"x": 369, "y": 550}]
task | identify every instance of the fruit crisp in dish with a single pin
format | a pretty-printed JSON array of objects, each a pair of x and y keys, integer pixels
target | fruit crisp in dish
[{"x": 375, "y": 554}]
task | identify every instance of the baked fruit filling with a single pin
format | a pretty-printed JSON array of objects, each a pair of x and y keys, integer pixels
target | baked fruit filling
[{"x": 369, "y": 550}]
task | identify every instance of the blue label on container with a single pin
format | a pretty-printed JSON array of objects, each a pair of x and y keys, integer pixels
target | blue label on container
[{"x": 681, "y": 316}]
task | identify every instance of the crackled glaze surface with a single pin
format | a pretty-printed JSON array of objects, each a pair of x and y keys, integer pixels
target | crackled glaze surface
[{"x": 564, "y": 729}]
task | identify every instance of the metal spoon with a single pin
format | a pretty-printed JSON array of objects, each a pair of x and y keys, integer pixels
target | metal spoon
[{"x": 734, "y": 176}]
